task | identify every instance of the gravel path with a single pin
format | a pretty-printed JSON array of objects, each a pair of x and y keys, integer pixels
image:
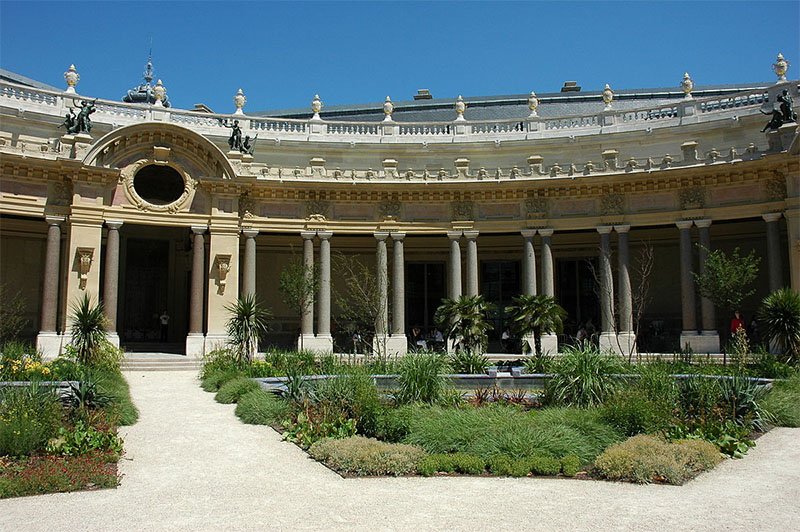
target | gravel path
[{"x": 191, "y": 465}]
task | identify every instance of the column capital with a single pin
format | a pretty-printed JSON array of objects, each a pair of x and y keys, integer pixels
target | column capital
[
  {"x": 381, "y": 235},
  {"x": 684, "y": 224},
  {"x": 398, "y": 236},
  {"x": 199, "y": 229},
  {"x": 114, "y": 224},
  {"x": 622, "y": 228},
  {"x": 703, "y": 223},
  {"x": 454, "y": 235},
  {"x": 604, "y": 229},
  {"x": 308, "y": 235},
  {"x": 471, "y": 235},
  {"x": 546, "y": 232},
  {"x": 324, "y": 235},
  {"x": 771, "y": 216},
  {"x": 250, "y": 232},
  {"x": 55, "y": 220},
  {"x": 528, "y": 233}
]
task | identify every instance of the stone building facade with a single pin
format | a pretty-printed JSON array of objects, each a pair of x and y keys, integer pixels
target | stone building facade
[{"x": 152, "y": 211}]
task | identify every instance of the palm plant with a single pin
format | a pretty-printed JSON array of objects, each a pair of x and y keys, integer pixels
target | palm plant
[
  {"x": 780, "y": 319},
  {"x": 536, "y": 315},
  {"x": 246, "y": 326},
  {"x": 88, "y": 328},
  {"x": 464, "y": 322}
]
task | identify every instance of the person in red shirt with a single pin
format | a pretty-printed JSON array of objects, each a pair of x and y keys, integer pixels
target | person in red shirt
[{"x": 737, "y": 322}]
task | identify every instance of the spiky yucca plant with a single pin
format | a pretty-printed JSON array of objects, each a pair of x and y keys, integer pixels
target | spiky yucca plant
[
  {"x": 246, "y": 326},
  {"x": 464, "y": 322},
  {"x": 88, "y": 328},
  {"x": 536, "y": 315},
  {"x": 779, "y": 317}
]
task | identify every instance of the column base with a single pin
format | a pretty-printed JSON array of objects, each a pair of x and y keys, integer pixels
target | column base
[
  {"x": 700, "y": 343},
  {"x": 49, "y": 344},
  {"x": 319, "y": 344},
  {"x": 608, "y": 342},
  {"x": 386, "y": 345},
  {"x": 626, "y": 343},
  {"x": 195, "y": 345},
  {"x": 549, "y": 344},
  {"x": 113, "y": 339},
  {"x": 216, "y": 341}
]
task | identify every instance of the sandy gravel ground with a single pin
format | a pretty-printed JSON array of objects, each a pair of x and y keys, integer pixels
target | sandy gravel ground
[{"x": 191, "y": 465}]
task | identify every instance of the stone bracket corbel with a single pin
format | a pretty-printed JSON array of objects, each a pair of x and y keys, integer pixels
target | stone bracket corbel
[
  {"x": 223, "y": 264},
  {"x": 85, "y": 258}
]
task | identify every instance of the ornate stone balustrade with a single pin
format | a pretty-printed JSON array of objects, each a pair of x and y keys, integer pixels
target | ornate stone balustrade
[{"x": 17, "y": 98}]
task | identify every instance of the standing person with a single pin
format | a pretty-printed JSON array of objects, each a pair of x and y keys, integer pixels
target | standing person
[
  {"x": 737, "y": 322},
  {"x": 164, "y": 319}
]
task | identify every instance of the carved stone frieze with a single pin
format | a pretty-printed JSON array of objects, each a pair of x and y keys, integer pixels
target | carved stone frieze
[
  {"x": 692, "y": 197},
  {"x": 389, "y": 209},
  {"x": 317, "y": 207},
  {"x": 612, "y": 203},
  {"x": 536, "y": 207},
  {"x": 776, "y": 188},
  {"x": 462, "y": 210},
  {"x": 59, "y": 194},
  {"x": 247, "y": 206}
]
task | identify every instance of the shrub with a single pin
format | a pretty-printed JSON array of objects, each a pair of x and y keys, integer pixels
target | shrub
[
  {"x": 88, "y": 329},
  {"x": 214, "y": 381},
  {"x": 120, "y": 409},
  {"x": 645, "y": 459},
  {"x": 260, "y": 407},
  {"x": 84, "y": 439},
  {"x": 739, "y": 400},
  {"x": 427, "y": 466},
  {"x": 420, "y": 378},
  {"x": 497, "y": 429},
  {"x": 393, "y": 424},
  {"x": 231, "y": 391},
  {"x": 539, "y": 363},
  {"x": 292, "y": 362},
  {"x": 20, "y": 361},
  {"x": 520, "y": 467},
  {"x": 352, "y": 395},
  {"x": 367, "y": 456},
  {"x": 50, "y": 474},
  {"x": 780, "y": 318},
  {"x": 570, "y": 465},
  {"x": 783, "y": 402},
  {"x": 583, "y": 377},
  {"x": 544, "y": 466},
  {"x": 246, "y": 326},
  {"x": 468, "y": 362},
  {"x": 632, "y": 411},
  {"x": 12, "y": 314},
  {"x": 220, "y": 361},
  {"x": 500, "y": 465},
  {"x": 29, "y": 416},
  {"x": 468, "y": 464}
]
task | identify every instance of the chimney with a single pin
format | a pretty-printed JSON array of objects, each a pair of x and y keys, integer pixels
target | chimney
[
  {"x": 570, "y": 86},
  {"x": 423, "y": 94}
]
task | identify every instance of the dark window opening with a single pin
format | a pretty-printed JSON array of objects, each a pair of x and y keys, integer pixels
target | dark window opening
[{"x": 159, "y": 185}]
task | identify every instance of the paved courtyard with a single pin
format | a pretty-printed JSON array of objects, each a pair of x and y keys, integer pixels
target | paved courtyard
[{"x": 191, "y": 465}]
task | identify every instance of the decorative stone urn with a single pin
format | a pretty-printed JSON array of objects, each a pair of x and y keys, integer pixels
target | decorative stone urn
[
  {"x": 239, "y": 100},
  {"x": 780, "y": 66},
  {"x": 316, "y": 107},
  {"x": 460, "y": 107},
  {"x": 687, "y": 85},
  {"x": 388, "y": 109},
  {"x": 533, "y": 103},
  {"x": 159, "y": 92},
  {"x": 608, "y": 96},
  {"x": 72, "y": 78}
]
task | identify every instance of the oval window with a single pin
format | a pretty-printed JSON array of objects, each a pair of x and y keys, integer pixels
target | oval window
[{"x": 159, "y": 185}]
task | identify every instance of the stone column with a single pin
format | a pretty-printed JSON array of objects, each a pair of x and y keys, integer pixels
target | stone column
[
  {"x": 548, "y": 286},
  {"x": 793, "y": 230},
  {"x": 398, "y": 287},
  {"x": 706, "y": 306},
  {"x": 324, "y": 316},
  {"x": 472, "y": 262},
  {"x": 689, "y": 319},
  {"x": 381, "y": 260},
  {"x": 111, "y": 282},
  {"x": 528, "y": 263},
  {"x": 608, "y": 339},
  {"x": 249, "y": 274},
  {"x": 625, "y": 336},
  {"x": 195, "y": 342},
  {"x": 454, "y": 283},
  {"x": 773, "y": 251},
  {"x": 549, "y": 341},
  {"x": 307, "y": 312},
  {"x": 48, "y": 340}
]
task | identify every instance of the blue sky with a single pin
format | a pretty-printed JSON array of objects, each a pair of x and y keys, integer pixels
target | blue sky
[{"x": 281, "y": 53}]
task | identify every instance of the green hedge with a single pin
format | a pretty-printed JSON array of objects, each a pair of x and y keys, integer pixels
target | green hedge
[{"x": 361, "y": 456}]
